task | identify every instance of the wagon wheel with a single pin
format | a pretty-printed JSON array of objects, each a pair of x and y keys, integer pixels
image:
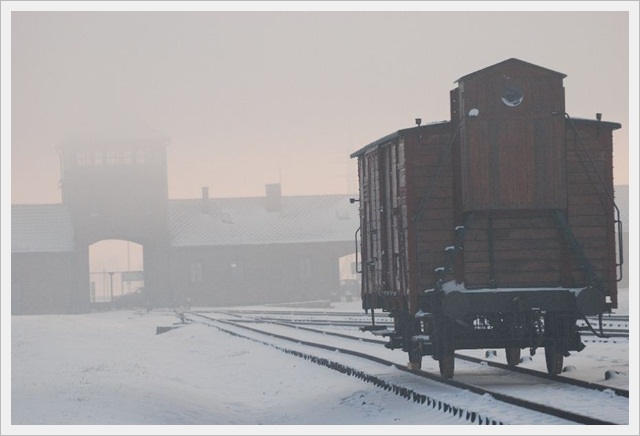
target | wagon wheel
[
  {"x": 513, "y": 356},
  {"x": 447, "y": 364},
  {"x": 415, "y": 358},
  {"x": 554, "y": 359},
  {"x": 553, "y": 355},
  {"x": 414, "y": 349}
]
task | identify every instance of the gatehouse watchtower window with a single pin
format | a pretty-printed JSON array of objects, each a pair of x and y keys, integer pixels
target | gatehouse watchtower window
[{"x": 110, "y": 158}]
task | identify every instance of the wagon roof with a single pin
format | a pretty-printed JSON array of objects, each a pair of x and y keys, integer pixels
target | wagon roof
[
  {"x": 392, "y": 136},
  {"x": 610, "y": 124},
  {"x": 512, "y": 61}
]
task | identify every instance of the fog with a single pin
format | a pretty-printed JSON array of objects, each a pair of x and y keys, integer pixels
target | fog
[
  {"x": 247, "y": 98},
  {"x": 159, "y": 155},
  {"x": 234, "y": 101}
]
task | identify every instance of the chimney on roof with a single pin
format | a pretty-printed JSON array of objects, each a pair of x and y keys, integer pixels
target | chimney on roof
[
  {"x": 274, "y": 197},
  {"x": 205, "y": 199}
]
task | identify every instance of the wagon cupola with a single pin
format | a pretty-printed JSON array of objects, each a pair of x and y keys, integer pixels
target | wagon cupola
[{"x": 518, "y": 133}]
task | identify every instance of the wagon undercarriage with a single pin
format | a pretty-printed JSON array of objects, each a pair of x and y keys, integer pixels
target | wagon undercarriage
[{"x": 512, "y": 320}]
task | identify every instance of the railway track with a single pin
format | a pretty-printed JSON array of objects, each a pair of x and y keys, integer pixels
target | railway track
[
  {"x": 309, "y": 337},
  {"x": 544, "y": 375},
  {"x": 613, "y": 326}
]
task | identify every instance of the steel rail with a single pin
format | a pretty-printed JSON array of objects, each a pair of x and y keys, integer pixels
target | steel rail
[{"x": 559, "y": 413}]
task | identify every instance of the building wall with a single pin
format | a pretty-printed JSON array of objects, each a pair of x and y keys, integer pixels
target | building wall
[
  {"x": 117, "y": 189},
  {"x": 240, "y": 275},
  {"x": 42, "y": 283}
]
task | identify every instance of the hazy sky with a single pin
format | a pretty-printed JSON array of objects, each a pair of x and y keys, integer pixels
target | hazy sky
[{"x": 250, "y": 98}]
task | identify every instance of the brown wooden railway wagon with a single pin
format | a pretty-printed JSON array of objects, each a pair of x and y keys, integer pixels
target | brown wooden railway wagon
[{"x": 494, "y": 229}]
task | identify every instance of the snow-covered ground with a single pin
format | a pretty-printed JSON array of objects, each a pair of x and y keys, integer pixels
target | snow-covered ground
[{"x": 110, "y": 373}]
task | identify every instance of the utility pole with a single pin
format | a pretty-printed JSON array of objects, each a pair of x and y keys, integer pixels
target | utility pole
[
  {"x": 111, "y": 284},
  {"x": 128, "y": 268}
]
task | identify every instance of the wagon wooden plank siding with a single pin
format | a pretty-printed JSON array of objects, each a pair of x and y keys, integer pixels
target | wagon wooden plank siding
[
  {"x": 512, "y": 153},
  {"x": 403, "y": 198},
  {"x": 590, "y": 194},
  {"x": 495, "y": 228},
  {"x": 431, "y": 203}
]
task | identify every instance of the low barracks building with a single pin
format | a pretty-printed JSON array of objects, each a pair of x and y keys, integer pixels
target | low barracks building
[{"x": 204, "y": 251}]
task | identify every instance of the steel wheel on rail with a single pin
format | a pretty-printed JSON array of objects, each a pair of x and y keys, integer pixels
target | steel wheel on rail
[
  {"x": 513, "y": 356},
  {"x": 412, "y": 327},
  {"x": 447, "y": 364},
  {"x": 553, "y": 353},
  {"x": 554, "y": 359},
  {"x": 415, "y": 358}
]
